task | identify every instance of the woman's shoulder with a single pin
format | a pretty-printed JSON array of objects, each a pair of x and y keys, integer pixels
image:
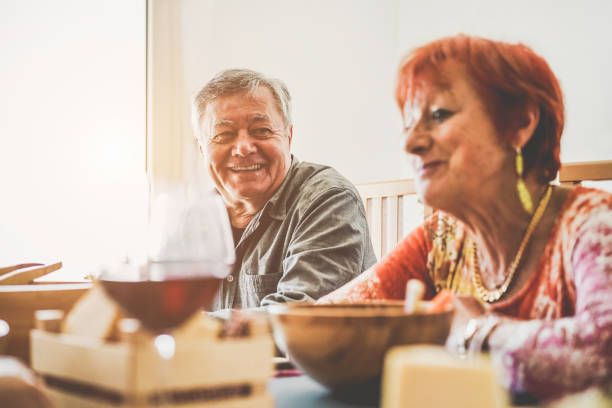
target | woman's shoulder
[
  {"x": 585, "y": 209},
  {"x": 585, "y": 203}
]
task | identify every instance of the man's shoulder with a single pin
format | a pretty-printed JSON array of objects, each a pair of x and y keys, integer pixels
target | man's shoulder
[{"x": 311, "y": 180}]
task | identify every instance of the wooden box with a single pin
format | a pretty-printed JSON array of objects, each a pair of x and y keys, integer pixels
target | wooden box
[
  {"x": 19, "y": 302},
  {"x": 205, "y": 371}
]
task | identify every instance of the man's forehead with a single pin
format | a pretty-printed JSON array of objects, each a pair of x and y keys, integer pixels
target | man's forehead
[
  {"x": 251, "y": 118},
  {"x": 257, "y": 105}
]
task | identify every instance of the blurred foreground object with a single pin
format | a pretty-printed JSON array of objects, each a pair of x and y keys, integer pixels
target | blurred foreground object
[
  {"x": 4, "y": 332},
  {"x": 19, "y": 387},
  {"x": 592, "y": 398},
  {"x": 18, "y": 302},
  {"x": 117, "y": 363},
  {"x": 342, "y": 346},
  {"x": 429, "y": 376},
  {"x": 415, "y": 289}
]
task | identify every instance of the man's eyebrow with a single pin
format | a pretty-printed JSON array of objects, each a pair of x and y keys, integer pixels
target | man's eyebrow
[
  {"x": 223, "y": 122},
  {"x": 259, "y": 117}
]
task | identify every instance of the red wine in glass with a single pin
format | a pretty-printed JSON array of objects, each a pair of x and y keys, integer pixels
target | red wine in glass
[{"x": 162, "y": 305}]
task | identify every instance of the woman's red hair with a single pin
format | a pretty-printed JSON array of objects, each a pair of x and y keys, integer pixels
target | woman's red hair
[{"x": 508, "y": 77}]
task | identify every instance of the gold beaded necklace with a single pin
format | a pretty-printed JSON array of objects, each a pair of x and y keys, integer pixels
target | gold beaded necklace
[{"x": 493, "y": 295}]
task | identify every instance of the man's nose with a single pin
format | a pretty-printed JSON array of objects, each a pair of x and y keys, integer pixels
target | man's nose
[{"x": 244, "y": 144}]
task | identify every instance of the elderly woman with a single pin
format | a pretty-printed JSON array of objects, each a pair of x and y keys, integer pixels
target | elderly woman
[{"x": 482, "y": 125}]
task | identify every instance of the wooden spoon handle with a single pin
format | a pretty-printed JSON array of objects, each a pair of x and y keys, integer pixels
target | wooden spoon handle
[
  {"x": 7, "y": 269},
  {"x": 26, "y": 275}
]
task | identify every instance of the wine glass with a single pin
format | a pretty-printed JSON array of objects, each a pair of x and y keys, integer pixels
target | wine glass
[{"x": 190, "y": 251}]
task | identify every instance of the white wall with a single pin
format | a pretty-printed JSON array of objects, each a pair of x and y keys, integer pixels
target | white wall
[
  {"x": 339, "y": 59},
  {"x": 73, "y": 110},
  {"x": 336, "y": 57},
  {"x": 72, "y": 133},
  {"x": 573, "y": 36}
]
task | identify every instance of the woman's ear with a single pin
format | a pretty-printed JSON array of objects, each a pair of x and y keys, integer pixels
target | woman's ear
[{"x": 528, "y": 122}]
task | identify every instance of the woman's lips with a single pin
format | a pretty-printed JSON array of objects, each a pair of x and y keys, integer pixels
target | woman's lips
[{"x": 427, "y": 169}]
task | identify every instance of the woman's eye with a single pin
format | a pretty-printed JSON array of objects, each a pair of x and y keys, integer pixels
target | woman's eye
[{"x": 439, "y": 115}]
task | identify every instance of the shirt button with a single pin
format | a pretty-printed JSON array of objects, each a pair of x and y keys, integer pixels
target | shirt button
[{"x": 230, "y": 278}]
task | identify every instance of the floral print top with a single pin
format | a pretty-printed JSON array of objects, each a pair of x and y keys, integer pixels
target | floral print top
[{"x": 562, "y": 339}]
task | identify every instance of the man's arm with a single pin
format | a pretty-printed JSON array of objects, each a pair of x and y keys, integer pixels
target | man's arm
[{"x": 327, "y": 248}]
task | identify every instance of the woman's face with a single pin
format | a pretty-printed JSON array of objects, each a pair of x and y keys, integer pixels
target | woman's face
[{"x": 454, "y": 147}]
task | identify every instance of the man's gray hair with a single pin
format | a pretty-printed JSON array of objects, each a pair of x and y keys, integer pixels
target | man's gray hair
[{"x": 233, "y": 81}]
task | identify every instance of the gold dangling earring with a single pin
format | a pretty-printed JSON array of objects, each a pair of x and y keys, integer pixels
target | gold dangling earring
[{"x": 521, "y": 187}]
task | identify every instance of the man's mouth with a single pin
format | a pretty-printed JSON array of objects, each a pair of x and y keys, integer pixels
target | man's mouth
[{"x": 252, "y": 167}]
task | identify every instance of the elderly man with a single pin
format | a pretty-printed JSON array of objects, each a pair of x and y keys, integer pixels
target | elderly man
[{"x": 299, "y": 228}]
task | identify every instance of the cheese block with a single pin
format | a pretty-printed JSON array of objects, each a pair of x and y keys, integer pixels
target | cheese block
[
  {"x": 423, "y": 376},
  {"x": 93, "y": 315},
  {"x": 201, "y": 326}
]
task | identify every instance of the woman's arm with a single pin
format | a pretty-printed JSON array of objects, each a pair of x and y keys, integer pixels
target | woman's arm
[
  {"x": 387, "y": 279},
  {"x": 549, "y": 358}
]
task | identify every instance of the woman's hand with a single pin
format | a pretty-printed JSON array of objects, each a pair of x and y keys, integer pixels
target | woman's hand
[{"x": 471, "y": 326}]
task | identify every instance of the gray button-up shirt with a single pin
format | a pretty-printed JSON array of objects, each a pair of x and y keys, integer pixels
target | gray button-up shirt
[{"x": 310, "y": 238}]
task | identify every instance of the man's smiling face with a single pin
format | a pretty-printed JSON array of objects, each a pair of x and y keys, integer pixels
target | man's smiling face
[{"x": 247, "y": 145}]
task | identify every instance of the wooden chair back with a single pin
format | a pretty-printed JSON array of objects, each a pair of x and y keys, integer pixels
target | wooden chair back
[
  {"x": 393, "y": 209},
  {"x": 597, "y": 172}
]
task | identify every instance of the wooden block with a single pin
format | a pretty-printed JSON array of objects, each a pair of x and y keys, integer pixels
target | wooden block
[
  {"x": 213, "y": 362},
  {"x": 203, "y": 370},
  {"x": 70, "y": 400},
  {"x": 94, "y": 315},
  {"x": 123, "y": 368},
  {"x": 429, "y": 376},
  {"x": 49, "y": 320},
  {"x": 200, "y": 325},
  {"x": 81, "y": 359}
]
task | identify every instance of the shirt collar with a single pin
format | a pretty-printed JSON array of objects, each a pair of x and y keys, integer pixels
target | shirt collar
[{"x": 276, "y": 207}]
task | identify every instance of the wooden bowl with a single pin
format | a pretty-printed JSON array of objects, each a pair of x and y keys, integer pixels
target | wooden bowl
[{"x": 341, "y": 346}]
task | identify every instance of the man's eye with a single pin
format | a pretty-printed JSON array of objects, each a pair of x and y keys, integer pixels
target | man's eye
[
  {"x": 261, "y": 132},
  {"x": 222, "y": 137},
  {"x": 439, "y": 115}
]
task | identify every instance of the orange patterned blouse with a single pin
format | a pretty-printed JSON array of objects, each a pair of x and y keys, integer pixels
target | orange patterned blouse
[{"x": 567, "y": 343}]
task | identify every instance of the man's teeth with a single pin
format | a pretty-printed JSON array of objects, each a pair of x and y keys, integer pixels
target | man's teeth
[{"x": 248, "y": 168}]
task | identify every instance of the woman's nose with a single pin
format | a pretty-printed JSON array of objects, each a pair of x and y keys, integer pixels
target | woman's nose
[
  {"x": 243, "y": 146},
  {"x": 416, "y": 139}
]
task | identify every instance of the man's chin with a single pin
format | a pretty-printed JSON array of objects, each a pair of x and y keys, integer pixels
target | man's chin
[{"x": 249, "y": 194}]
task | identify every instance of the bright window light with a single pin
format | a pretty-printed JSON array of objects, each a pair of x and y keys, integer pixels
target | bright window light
[{"x": 72, "y": 134}]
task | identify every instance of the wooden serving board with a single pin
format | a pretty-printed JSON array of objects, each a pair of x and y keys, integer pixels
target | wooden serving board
[{"x": 19, "y": 302}]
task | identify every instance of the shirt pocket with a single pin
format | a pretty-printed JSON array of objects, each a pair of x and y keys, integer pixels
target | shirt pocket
[{"x": 262, "y": 285}]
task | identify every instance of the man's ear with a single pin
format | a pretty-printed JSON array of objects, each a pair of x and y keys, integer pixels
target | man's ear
[
  {"x": 199, "y": 143},
  {"x": 528, "y": 122},
  {"x": 201, "y": 149},
  {"x": 290, "y": 134}
]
